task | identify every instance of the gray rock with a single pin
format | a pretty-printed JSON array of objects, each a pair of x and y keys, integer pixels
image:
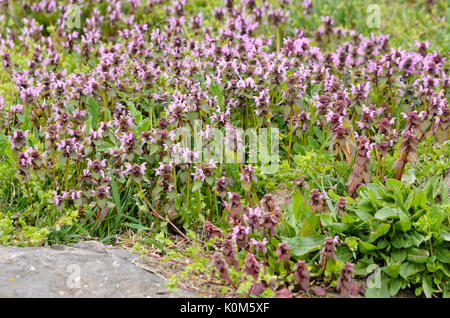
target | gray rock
[{"x": 87, "y": 269}]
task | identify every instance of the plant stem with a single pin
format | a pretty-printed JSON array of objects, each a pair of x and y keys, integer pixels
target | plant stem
[
  {"x": 159, "y": 215},
  {"x": 188, "y": 190},
  {"x": 290, "y": 134},
  {"x": 278, "y": 40},
  {"x": 210, "y": 202},
  {"x": 28, "y": 193},
  {"x": 66, "y": 175}
]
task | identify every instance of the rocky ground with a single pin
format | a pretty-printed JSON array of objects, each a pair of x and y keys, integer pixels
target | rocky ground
[{"x": 87, "y": 269}]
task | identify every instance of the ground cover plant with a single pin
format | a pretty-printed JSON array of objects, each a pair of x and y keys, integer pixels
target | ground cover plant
[{"x": 94, "y": 95}]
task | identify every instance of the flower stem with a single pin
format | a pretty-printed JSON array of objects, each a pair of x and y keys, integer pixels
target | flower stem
[
  {"x": 290, "y": 135},
  {"x": 66, "y": 175}
]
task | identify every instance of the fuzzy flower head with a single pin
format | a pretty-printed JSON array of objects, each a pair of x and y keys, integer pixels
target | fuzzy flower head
[
  {"x": 283, "y": 252},
  {"x": 328, "y": 249},
  {"x": 240, "y": 236},
  {"x": 251, "y": 266},
  {"x": 345, "y": 284},
  {"x": 301, "y": 275},
  {"x": 316, "y": 200},
  {"x": 259, "y": 246}
]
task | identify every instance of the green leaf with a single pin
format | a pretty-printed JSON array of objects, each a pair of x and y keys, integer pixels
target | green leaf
[
  {"x": 408, "y": 269},
  {"x": 326, "y": 219},
  {"x": 403, "y": 225},
  {"x": 446, "y": 293},
  {"x": 398, "y": 255},
  {"x": 427, "y": 286},
  {"x": 395, "y": 186},
  {"x": 445, "y": 235},
  {"x": 386, "y": 213},
  {"x": 93, "y": 108},
  {"x": 153, "y": 242},
  {"x": 420, "y": 200},
  {"x": 413, "y": 238},
  {"x": 393, "y": 270},
  {"x": 340, "y": 228},
  {"x": 301, "y": 246},
  {"x": 137, "y": 226},
  {"x": 381, "y": 230},
  {"x": 365, "y": 247},
  {"x": 394, "y": 286},
  {"x": 347, "y": 219},
  {"x": 363, "y": 214},
  {"x": 380, "y": 291},
  {"x": 197, "y": 185},
  {"x": 442, "y": 254},
  {"x": 115, "y": 193},
  {"x": 343, "y": 253},
  {"x": 398, "y": 241},
  {"x": 416, "y": 255}
]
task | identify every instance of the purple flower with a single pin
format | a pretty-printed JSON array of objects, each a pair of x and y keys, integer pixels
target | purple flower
[
  {"x": 240, "y": 236},
  {"x": 260, "y": 246},
  {"x": 328, "y": 249},
  {"x": 316, "y": 200},
  {"x": 345, "y": 285},
  {"x": 251, "y": 266},
  {"x": 221, "y": 266},
  {"x": 301, "y": 275},
  {"x": 283, "y": 252}
]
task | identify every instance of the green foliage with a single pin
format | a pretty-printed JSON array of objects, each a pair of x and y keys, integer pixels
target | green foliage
[{"x": 405, "y": 233}]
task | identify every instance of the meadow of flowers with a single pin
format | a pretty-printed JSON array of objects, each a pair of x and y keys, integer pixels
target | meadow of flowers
[{"x": 94, "y": 93}]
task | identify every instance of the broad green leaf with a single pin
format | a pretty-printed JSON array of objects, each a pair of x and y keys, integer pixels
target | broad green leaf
[
  {"x": 413, "y": 238},
  {"x": 381, "y": 291},
  {"x": 445, "y": 235},
  {"x": 416, "y": 255},
  {"x": 363, "y": 215},
  {"x": 197, "y": 185},
  {"x": 409, "y": 269},
  {"x": 403, "y": 225},
  {"x": 395, "y": 186},
  {"x": 427, "y": 286},
  {"x": 93, "y": 109},
  {"x": 393, "y": 270},
  {"x": 394, "y": 286},
  {"x": 381, "y": 230},
  {"x": 301, "y": 246},
  {"x": 340, "y": 228},
  {"x": 343, "y": 253},
  {"x": 347, "y": 219},
  {"x": 398, "y": 255},
  {"x": 386, "y": 213},
  {"x": 420, "y": 200},
  {"x": 398, "y": 241},
  {"x": 442, "y": 254},
  {"x": 365, "y": 247},
  {"x": 326, "y": 219}
]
